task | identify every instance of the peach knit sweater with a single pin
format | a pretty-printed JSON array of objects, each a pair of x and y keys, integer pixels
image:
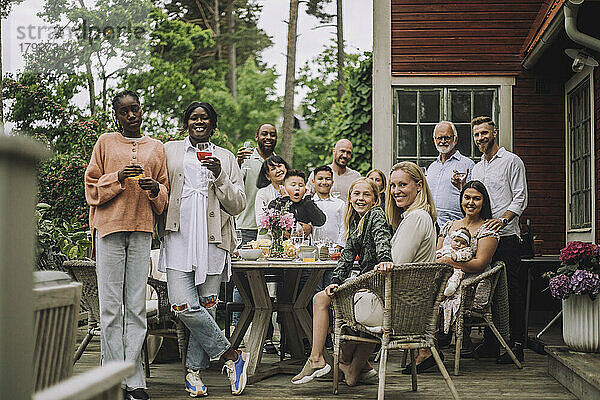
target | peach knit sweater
[{"x": 116, "y": 207}]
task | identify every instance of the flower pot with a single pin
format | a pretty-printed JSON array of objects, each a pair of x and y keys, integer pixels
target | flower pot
[{"x": 581, "y": 323}]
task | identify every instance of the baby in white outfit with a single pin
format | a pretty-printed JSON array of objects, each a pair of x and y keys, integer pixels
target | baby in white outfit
[{"x": 459, "y": 250}]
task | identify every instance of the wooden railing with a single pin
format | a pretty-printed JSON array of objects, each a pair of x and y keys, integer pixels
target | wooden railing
[{"x": 102, "y": 383}]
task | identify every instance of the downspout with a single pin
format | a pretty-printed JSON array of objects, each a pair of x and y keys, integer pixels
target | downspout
[{"x": 571, "y": 9}]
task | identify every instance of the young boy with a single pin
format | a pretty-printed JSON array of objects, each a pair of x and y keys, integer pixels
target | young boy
[
  {"x": 304, "y": 209},
  {"x": 333, "y": 208}
]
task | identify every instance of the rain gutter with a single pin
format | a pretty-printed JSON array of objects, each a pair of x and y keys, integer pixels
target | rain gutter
[{"x": 570, "y": 10}]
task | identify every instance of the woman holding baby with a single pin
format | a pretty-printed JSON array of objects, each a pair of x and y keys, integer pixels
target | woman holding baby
[{"x": 466, "y": 244}]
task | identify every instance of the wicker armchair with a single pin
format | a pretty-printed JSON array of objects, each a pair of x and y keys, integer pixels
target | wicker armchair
[
  {"x": 411, "y": 295},
  {"x": 486, "y": 311},
  {"x": 161, "y": 320}
]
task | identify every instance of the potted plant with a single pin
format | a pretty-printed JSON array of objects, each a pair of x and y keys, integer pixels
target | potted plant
[{"x": 577, "y": 284}]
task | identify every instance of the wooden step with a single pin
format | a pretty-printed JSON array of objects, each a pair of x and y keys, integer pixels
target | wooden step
[{"x": 578, "y": 372}]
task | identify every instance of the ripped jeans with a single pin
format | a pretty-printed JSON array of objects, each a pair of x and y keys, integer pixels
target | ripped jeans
[{"x": 196, "y": 306}]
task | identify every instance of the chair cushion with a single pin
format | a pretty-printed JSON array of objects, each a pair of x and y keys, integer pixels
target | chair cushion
[{"x": 368, "y": 311}]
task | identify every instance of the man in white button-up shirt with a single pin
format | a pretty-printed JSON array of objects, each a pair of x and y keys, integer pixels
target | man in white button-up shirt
[{"x": 503, "y": 174}]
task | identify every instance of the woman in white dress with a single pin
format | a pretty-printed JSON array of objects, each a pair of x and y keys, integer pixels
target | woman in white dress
[{"x": 198, "y": 236}]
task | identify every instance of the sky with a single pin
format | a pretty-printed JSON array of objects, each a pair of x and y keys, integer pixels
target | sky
[
  {"x": 17, "y": 36},
  {"x": 358, "y": 33}
]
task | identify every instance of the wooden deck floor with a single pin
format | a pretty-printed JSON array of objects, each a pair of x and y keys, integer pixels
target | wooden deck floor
[{"x": 478, "y": 380}]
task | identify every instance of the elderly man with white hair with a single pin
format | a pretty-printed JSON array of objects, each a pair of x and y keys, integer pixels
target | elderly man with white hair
[{"x": 446, "y": 172}]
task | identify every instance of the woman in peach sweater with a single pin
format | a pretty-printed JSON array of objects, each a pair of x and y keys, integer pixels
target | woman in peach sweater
[{"x": 126, "y": 185}]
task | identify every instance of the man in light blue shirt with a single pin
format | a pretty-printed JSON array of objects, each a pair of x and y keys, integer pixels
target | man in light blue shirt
[{"x": 442, "y": 174}]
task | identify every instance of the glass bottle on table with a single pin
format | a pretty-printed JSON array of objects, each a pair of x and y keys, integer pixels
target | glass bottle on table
[{"x": 297, "y": 237}]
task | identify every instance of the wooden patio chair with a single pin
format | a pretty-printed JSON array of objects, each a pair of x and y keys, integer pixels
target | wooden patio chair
[
  {"x": 483, "y": 312},
  {"x": 161, "y": 319},
  {"x": 410, "y": 294},
  {"x": 56, "y": 313}
]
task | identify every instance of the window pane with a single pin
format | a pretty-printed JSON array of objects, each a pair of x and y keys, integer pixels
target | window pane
[
  {"x": 427, "y": 145},
  {"x": 464, "y": 139},
  {"x": 580, "y": 156},
  {"x": 429, "y": 107},
  {"x": 407, "y": 106},
  {"x": 483, "y": 103},
  {"x": 460, "y": 106},
  {"x": 407, "y": 140}
]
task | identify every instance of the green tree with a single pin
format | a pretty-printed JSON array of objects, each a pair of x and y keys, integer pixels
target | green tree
[
  {"x": 319, "y": 107},
  {"x": 174, "y": 42},
  {"x": 91, "y": 39},
  {"x": 257, "y": 101},
  {"x": 353, "y": 120},
  {"x": 319, "y": 77},
  {"x": 5, "y": 9}
]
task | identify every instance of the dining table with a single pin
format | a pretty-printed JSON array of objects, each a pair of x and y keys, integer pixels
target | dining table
[{"x": 293, "y": 300}]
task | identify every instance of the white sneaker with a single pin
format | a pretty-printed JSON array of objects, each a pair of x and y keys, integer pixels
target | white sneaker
[
  {"x": 237, "y": 373},
  {"x": 194, "y": 385}
]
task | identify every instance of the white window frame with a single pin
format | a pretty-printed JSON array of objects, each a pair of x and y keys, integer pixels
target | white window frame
[
  {"x": 445, "y": 100},
  {"x": 383, "y": 116},
  {"x": 583, "y": 234}
]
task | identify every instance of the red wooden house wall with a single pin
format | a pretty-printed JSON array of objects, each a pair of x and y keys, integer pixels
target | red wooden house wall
[{"x": 474, "y": 37}]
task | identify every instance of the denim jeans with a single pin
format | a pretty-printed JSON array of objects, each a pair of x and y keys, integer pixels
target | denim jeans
[
  {"x": 122, "y": 266},
  {"x": 206, "y": 339}
]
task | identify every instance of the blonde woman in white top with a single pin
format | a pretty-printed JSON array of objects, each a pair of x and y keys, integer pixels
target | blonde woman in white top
[{"x": 411, "y": 213}]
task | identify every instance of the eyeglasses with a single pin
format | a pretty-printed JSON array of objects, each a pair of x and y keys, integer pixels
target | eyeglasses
[{"x": 444, "y": 138}]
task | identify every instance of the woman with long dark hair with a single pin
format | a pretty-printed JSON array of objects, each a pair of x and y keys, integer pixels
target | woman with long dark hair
[{"x": 475, "y": 205}]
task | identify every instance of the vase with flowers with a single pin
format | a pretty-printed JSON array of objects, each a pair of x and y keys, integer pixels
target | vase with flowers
[
  {"x": 577, "y": 284},
  {"x": 276, "y": 222}
]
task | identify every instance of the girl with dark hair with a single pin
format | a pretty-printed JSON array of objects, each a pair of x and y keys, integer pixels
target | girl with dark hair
[
  {"x": 476, "y": 208},
  {"x": 197, "y": 237},
  {"x": 270, "y": 184},
  {"x": 126, "y": 186}
]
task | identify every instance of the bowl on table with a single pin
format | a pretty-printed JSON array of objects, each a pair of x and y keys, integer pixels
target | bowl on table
[{"x": 250, "y": 254}]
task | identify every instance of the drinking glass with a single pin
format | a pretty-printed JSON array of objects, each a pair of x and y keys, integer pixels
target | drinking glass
[
  {"x": 318, "y": 237},
  {"x": 205, "y": 149},
  {"x": 238, "y": 237},
  {"x": 297, "y": 238},
  {"x": 249, "y": 149},
  {"x": 138, "y": 176}
]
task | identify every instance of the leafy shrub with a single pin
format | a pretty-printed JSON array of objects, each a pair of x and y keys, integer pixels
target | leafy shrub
[{"x": 58, "y": 238}]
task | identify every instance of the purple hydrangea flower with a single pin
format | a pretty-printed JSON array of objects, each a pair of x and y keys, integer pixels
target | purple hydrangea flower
[
  {"x": 560, "y": 286},
  {"x": 585, "y": 282}
]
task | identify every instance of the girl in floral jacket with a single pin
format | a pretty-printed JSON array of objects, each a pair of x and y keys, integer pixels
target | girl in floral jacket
[{"x": 368, "y": 236}]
